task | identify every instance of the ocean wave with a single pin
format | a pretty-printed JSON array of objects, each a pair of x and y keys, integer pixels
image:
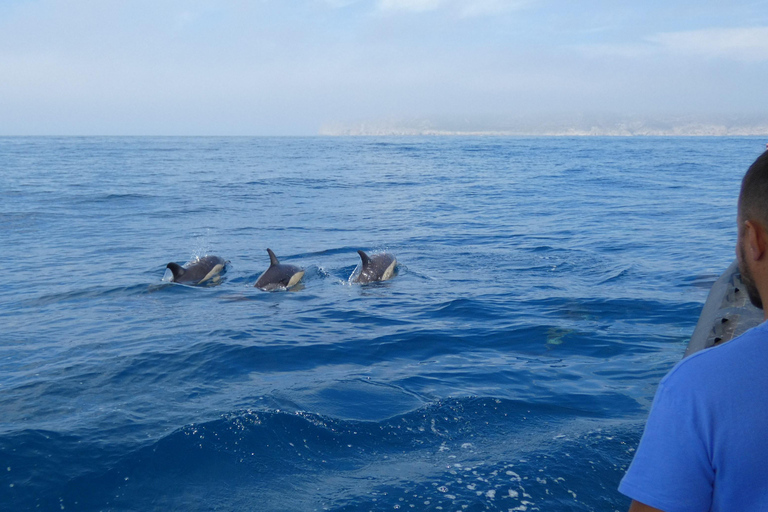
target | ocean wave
[
  {"x": 546, "y": 274},
  {"x": 93, "y": 292},
  {"x": 303, "y": 461}
]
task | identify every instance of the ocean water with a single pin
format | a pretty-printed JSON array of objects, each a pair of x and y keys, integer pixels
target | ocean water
[{"x": 544, "y": 287}]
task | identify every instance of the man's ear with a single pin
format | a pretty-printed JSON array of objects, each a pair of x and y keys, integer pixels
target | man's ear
[{"x": 756, "y": 239}]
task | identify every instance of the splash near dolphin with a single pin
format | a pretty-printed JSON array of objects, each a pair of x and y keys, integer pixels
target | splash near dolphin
[
  {"x": 199, "y": 271},
  {"x": 279, "y": 276},
  {"x": 378, "y": 267}
]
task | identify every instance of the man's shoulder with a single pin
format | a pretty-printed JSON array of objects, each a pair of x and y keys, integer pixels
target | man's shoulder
[{"x": 749, "y": 349}]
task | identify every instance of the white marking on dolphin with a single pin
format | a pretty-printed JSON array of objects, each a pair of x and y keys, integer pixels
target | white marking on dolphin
[
  {"x": 198, "y": 271},
  {"x": 279, "y": 276},
  {"x": 378, "y": 267}
]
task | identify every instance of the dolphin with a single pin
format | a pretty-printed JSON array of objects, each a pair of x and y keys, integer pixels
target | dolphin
[
  {"x": 379, "y": 267},
  {"x": 279, "y": 275},
  {"x": 198, "y": 271}
]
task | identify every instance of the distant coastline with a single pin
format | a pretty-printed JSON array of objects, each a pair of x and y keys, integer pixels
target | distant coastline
[{"x": 736, "y": 127}]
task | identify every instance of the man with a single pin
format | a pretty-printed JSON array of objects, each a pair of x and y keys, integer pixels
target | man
[{"x": 705, "y": 445}]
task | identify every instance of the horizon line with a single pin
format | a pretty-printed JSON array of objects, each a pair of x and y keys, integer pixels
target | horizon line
[{"x": 395, "y": 134}]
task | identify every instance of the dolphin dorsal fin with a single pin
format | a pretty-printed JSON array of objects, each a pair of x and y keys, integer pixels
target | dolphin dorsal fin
[
  {"x": 364, "y": 257},
  {"x": 272, "y": 258},
  {"x": 177, "y": 270}
]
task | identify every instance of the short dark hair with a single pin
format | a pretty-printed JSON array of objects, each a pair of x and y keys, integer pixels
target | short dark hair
[{"x": 753, "y": 198}]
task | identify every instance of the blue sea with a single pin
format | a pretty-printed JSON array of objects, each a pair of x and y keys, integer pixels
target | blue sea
[{"x": 544, "y": 287}]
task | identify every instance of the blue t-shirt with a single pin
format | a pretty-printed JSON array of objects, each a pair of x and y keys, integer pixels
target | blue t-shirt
[{"x": 705, "y": 445}]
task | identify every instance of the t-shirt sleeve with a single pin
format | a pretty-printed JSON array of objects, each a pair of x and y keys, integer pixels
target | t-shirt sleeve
[{"x": 671, "y": 470}]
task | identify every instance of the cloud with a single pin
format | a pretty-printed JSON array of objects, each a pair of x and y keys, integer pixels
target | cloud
[
  {"x": 744, "y": 44},
  {"x": 621, "y": 51},
  {"x": 739, "y": 44},
  {"x": 462, "y": 8},
  {"x": 489, "y": 7},
  {"x": 338, "y": 4},
  {"x": 410, "y": 5}
]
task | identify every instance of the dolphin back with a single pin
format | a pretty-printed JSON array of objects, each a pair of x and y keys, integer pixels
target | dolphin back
[
  {"x": 199, "y": 271},
  {"x": 279, "y": 276},
  {"x": 177, "y": 270},
  {"x": 365, "y": 258},
  {"x": 272, "y": 258},
  {"x": 378, "y": 267}
]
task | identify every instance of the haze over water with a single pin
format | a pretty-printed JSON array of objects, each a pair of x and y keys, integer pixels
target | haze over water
[{"x": 383, "y": 67}]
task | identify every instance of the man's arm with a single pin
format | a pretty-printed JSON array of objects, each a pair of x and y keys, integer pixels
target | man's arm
[
  {"x": 640, "y": 507},
  {"x": 671, "y": 469}
]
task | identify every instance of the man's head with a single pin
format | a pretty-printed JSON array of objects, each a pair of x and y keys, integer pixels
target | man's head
[{"x": 752, "y": 244}]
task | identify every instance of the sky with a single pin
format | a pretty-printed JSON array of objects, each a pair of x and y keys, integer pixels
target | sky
[{"x": 303, "y": 67}]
